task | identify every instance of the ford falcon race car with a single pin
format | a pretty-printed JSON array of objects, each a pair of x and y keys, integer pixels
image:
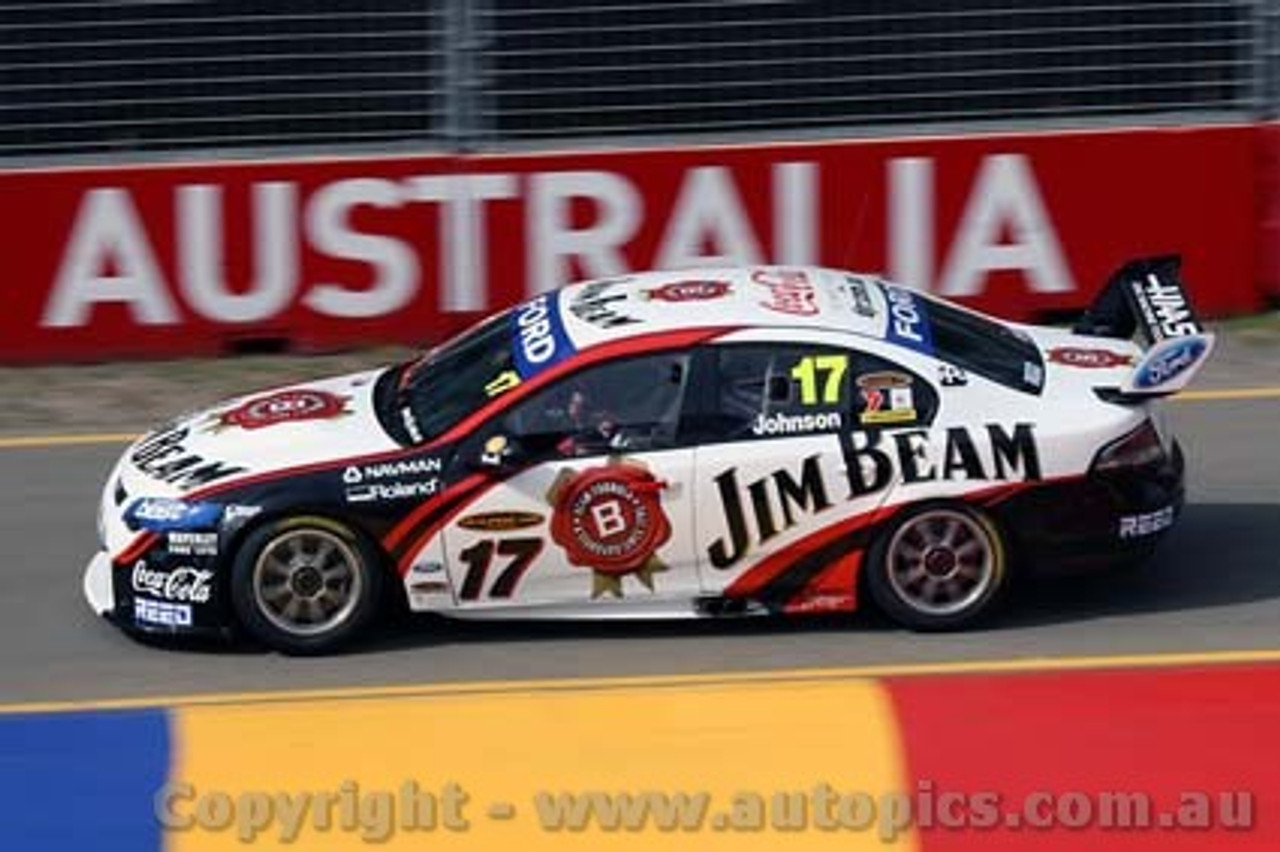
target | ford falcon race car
[{"x": 717, "y": 443}]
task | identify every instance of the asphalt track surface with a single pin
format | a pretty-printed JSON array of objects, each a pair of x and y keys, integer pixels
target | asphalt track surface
[{"x": 1214, "y": 587}]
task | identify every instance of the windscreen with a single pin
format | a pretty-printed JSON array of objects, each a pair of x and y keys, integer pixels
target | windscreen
[{"x": 458, "y": 378}]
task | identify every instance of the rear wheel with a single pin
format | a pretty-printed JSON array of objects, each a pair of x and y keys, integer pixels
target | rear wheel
[
  {"x": 305, "y": 585},
  {"x": 939, "y": 567}
]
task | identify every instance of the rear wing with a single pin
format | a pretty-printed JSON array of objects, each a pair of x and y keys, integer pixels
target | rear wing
[{"x": 1146, "y": 297}]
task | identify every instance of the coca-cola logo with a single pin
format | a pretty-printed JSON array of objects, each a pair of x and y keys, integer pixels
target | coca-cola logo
[
  {"x": 790, "y": 291},
  {"x": 188, "y": 585},
  {"x": 283, "y": 407}
]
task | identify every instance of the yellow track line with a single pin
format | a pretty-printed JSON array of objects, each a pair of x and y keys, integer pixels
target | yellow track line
[
  {"x": 32, "y": 441},
  {"x": 22, "y": 441},
  {"x": 647, "y": 682},
  {"x": 1227, "y": 394}
]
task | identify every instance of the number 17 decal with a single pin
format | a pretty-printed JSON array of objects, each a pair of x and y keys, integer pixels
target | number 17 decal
[
  {"x": 806, "y": 373},
  {"x": 479, "y": 556}
]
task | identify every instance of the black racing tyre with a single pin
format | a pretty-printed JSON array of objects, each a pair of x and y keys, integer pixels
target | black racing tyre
[
  {"x": 305, "y": 585},
  {"x": 941, "y": 566}
]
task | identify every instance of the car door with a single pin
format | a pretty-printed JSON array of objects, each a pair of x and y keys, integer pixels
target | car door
[
  {"x": 779, "y": 468},
  {"x": 591, "y": 498}
]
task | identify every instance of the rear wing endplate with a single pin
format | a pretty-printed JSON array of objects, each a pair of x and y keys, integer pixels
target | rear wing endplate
[{"x": 1146, "y": 297}]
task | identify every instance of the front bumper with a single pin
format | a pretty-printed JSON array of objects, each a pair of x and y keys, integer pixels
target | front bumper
[
  {"x": 156, "y": 607},
  {"x": 97, "y": 584},
  {"x": 1097, "y": 521}
]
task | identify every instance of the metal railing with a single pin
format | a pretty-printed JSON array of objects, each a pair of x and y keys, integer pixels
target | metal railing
[{"x": 80, "y": 77}]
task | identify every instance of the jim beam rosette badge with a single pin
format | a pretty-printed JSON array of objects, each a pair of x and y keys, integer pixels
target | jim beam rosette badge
[
  {"x": 282, "y": 407},
  {"x": 610, "y": 519}
]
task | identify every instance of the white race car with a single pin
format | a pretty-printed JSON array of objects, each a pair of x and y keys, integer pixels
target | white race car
[{"x": 712, "y": 443}]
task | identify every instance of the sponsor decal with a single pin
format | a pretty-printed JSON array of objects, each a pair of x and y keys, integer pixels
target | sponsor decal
[
  {"x": 951, "y": 376},
  {"x": 370, "y": 492},
  {"x": 285, "y": 406},
  {"x": 1174, "y": 360},
  {"x": 429, "y": 587},
  {"x": 540, "y": 340},
  {"x": 193, "y": 543},
  {"x": 235, "y": 513},
  {"x": 410, "y": 423},
  {"x": 595, "y": 305},
  {"x": 161, "y": 613},
  {"x": 821, "y": 603},
  {"x": 1032, "y": 374},
  {"x": 884, "y": 379},
  {"x": 610, "y": 519},
  {"x": 1164, "y": 308},
  {"x": 187, "y": 585},
  {"x": 501, "y": 521},
  {"x": 424, "y": 569},
  {"x": 795, "y": 424},
  {"x": 495, "y": 451},
  {"x": 162, "y": 514},
  {"x": 791, "y": 497},
  {"x": 355, "y": 474},
  {"x": 1089, "y": 359},
  {"x": 855, "y": 291},
  {"x": 758, "y": 511},
  {"x": 886, "y": 398},
  {"x": 503, "y": 382},
  {"x": 1137, "y": 526},
  {"x": 696, "y": 290},
  {"x": 164, "y": 457},
  {"x": 908, "y": 320},
  {"x": 913, "y": 458},
  {"x": 790, "y": 291}
]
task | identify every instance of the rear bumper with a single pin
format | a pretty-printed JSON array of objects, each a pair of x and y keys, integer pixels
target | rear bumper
[{"x": 1098, "y": 521}]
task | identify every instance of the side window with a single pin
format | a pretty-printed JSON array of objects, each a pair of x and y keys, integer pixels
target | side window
[
  {"x": 770, "y": 390},
  {"x": 888, "y": 395},
  {"x": 766, "y": 390},
  {"x": 625, "y": 405}
]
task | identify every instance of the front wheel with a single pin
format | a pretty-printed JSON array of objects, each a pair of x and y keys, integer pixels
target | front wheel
[
  {"x": 939, "y": 567},
  {"x": 305, "y": 585}
]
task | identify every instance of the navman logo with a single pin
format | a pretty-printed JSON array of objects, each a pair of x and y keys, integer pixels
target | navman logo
[{"x": 355, "y": 474}]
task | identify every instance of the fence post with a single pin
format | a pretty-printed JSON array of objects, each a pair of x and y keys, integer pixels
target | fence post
[
  {"x": 1265, "y": 97},
  {"x": 463, "y": 78}
]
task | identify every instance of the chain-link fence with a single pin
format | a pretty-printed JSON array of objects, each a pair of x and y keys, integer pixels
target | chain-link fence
[
  {"x": 80, "y": 77},
  {"x": 155, "y": 75}
]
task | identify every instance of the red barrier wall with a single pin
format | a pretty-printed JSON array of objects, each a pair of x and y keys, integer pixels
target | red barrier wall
[
  {"x": 188, "y": 259},
  {"x": 1268, "y": 158}
]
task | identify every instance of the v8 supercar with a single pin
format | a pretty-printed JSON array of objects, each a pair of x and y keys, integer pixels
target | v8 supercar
[{"x": 718, "y": 443}]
